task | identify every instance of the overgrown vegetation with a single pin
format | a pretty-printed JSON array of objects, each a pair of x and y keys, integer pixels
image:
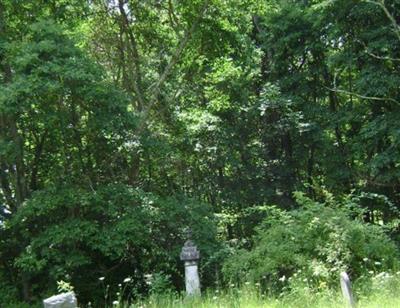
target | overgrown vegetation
[
  {"x": 269, "y": 127},
  {"x": 382, "y": 293},
  {"x": 313, "y": 244}
]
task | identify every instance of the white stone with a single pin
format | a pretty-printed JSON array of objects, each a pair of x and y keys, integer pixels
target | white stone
[
  {"x": 63, "y": 300},
  {"x": 346, "y": 289},
  {"x": 192, "y": 280}
]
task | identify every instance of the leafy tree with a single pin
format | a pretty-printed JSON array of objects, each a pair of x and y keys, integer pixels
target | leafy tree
[
  {"x": 79, "y": 235},
  {"x": 234, "y": 104}
]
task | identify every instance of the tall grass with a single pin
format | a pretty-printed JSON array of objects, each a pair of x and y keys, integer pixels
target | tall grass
[{"x": 380, "y": 291}]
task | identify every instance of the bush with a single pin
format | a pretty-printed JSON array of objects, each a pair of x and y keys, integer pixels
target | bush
[
  {"x": 114, "y": 232},
  {"x": 312, "y": 245}
]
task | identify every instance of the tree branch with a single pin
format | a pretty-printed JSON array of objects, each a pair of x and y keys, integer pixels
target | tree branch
[
  {"x": 155, "y": 88},
  {"x": 375, "y": 55},
  {"x": 173, "y": 20},
  {"x": 381, "y": 4},
  {"x": 36, "y": 160},
  {"x": 133, "y": 49},
  {"x": 375, "y": 98},
  {"x": 381, "y": 57},
  {"x": 6, "y": 187}
]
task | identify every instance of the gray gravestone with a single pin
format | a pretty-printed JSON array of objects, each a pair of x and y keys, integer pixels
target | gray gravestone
[
  {"x": 63, "y": 300},
  {"x": 346, "y": 289},
  {"x": 190, "y": 255}
]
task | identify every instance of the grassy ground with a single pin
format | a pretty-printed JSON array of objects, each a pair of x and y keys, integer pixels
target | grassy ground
[
  {"x": 250, "y": 297},
  {"x": 380, "y": 291},
  {"x": 244, "y": 301}
]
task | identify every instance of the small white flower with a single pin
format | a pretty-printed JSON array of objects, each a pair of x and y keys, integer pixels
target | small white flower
[
  {"x": 377, "y": 263},
  {"x": 127, "y": 279},
  {"x": 282, "y": 279},
  {"x": 365, "y": 259},
  {"x": 380, "y": 274},
  {"x": 101, "y": 278},
  {"x": 115, "y": 303},
  {"x": 233, "y": 285}
]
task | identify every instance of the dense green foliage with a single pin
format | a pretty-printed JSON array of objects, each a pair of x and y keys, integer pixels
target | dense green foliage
[
  {"x": 124, "y": 122},
  {"x": 313, "y": 243},
  {"x": 113, "y": 232}
]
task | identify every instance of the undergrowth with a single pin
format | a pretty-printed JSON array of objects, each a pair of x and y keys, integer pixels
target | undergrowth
[{"x": 379, "y": 290}]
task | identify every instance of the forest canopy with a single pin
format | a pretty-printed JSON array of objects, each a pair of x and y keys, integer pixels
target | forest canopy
[{"x": 123, "y": 122}]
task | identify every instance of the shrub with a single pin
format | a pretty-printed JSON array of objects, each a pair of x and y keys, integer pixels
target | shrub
[
  {"x": 311, "y": 245},
  {"x": 114, "y": 232}
]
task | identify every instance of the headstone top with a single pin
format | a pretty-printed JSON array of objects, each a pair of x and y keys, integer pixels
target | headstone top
[
  {"x": 189, "y": 252},
  {"x": 188, "y": 233},
  {"x": 63, "y": 300}
]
